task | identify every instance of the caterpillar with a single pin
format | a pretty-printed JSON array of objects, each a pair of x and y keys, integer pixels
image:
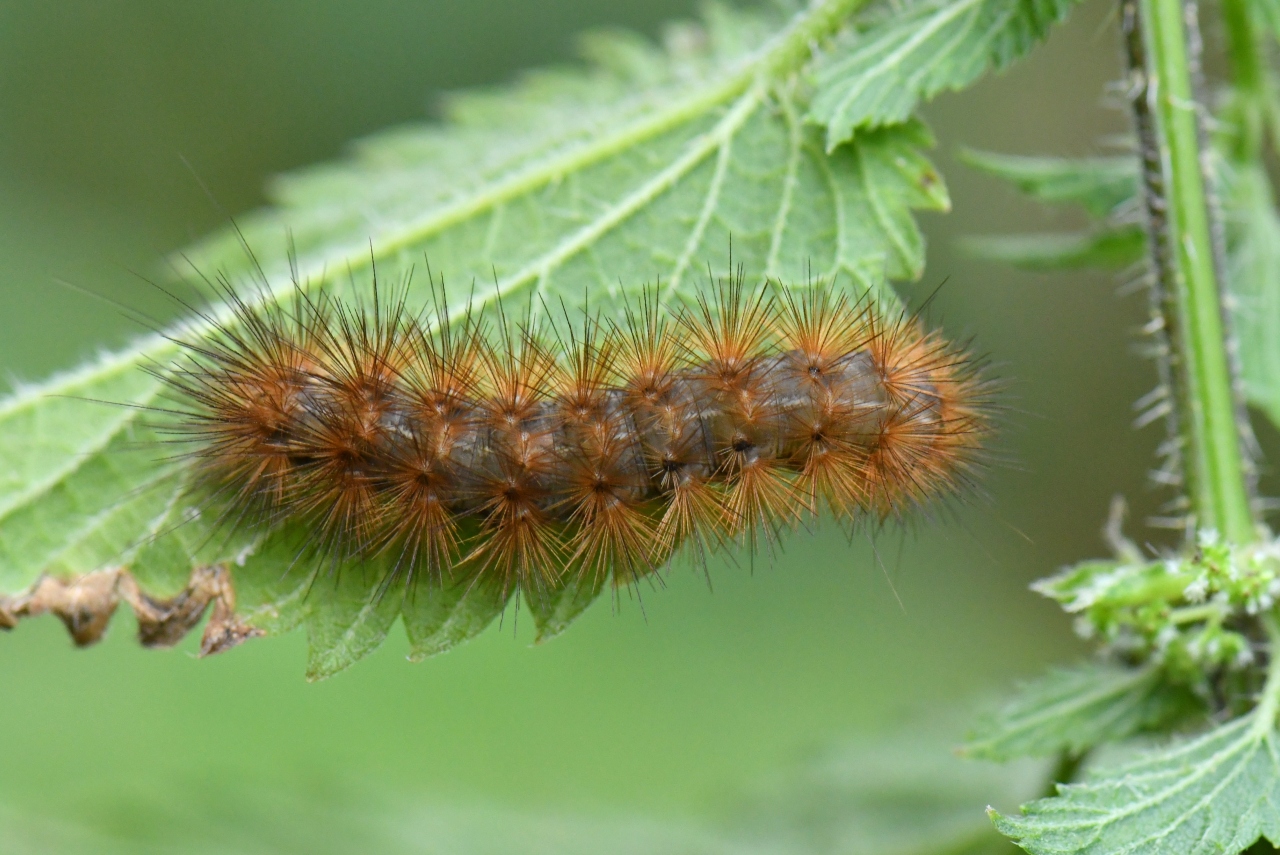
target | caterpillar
[{"x": 532, "y": 453}]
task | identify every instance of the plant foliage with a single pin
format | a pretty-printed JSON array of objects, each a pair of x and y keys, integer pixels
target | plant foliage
[
  {"x": 1194, "y": 618},
  {"x": 573, "y": 185},
  {"x": 1107, "y": 189},
  {"x": 1217, "y": 793},
  {"x": 879, "y": 73},
  {"x": 1074, "y": 709},
  {"x": 791, "y": 135}
]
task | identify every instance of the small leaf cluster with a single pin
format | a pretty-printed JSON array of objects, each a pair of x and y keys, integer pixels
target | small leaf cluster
[{"x": 1187, "y": 613}]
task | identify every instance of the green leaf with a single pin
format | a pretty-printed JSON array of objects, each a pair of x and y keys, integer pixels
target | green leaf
[
  {"x": 274, "y": 582},
  {"x": 1074, "y": 709},
  {"x": 877, "y": 76},
  {"x": 554, "y": 609},
  {"x": 80, "y": 482},
  {"x": 441, "y": 615},
  {"x": 352, "y": 609},
  {"x": 581, "y": 185},
  {"x": 1103, "y": 186},
  {"x": 643, "y": 169},
  {"x": 1099, "y": 184},
  {"x": 1253, "y": 274},
  {"x": 1217, "y": 793},
  {"x": 900, "y": 793},
  {"x": 180, "y": 540},
  {"x": 1106, "y": 248}
]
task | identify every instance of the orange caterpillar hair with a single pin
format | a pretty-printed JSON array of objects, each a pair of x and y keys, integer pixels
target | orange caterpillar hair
[{"x": 524, "y": 458}]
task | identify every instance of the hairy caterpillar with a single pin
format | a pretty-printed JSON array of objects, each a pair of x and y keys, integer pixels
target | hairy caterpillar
[{"x": 526, "y": 455}]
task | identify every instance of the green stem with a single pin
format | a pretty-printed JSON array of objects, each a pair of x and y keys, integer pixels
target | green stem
[
  {"x": 1211, "y": 612},
  {"x": 1215, "y": 463},
  {"x": 1269, "y": 701}
]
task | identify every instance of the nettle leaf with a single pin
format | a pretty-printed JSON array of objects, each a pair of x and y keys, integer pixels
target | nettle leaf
[
  {"x": 570, "y": 185},
  {"x": 1106, "y": 187},
  {"x": 574, "y": 185},
  {"x": 78, "y": 487},
  {"x": 642, "y": 170},
  {"x": 353, "y": 608},
  {"x": 1101, "y": 185},
  {"x": 1075, "y": 709},
  {"x": 553, "y": 610},
  {"x": 1217, "y": 793},
  {"x": 1253, "y": 271},
  {"x": 879, "y": 73},
  {"x": 440, "y": 616},
  {"x": 900, "y": 793}
]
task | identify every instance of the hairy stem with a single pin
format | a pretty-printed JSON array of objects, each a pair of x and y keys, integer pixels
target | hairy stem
[
  {"x": 1159, "y": 254},
  {"x": 1214, "y": 463}
]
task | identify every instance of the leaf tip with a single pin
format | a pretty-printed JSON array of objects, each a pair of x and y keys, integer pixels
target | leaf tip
[
  {"x": 838, "y": 135},
  {"x": 325, "y": 663},
  {"x": 1003, "y": 824},
  {"x": 547, "y": 632}
]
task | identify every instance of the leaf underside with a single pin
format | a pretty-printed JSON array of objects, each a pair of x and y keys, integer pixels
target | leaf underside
[
  {"x": 581, "y": 186},
  {"x": 903, "y": 793},
  {"x": 1074, "y": 709},
  {"x": 879, "y": 74},
  {"x": 1217, "y": 793}
]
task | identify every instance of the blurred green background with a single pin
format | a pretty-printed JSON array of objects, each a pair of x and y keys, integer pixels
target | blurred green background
[{"x": 667, "y": 710}]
